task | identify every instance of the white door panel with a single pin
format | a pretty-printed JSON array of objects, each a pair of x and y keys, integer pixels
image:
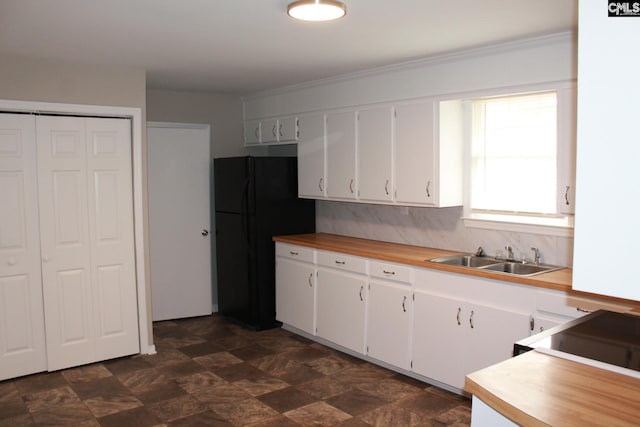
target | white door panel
[
  {"x": 61, "y": 143},
  {"x": 22, "y": 343},
  {"x": 179, "y": 210},
  {"x": 110, "y": 197},
  {"x": 87, "y": 239}
]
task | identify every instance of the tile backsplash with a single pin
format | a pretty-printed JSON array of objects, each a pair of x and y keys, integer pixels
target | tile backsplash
[{"x": 433, "y": 227}]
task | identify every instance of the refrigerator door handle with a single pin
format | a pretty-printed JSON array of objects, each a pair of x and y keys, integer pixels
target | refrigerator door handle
[{"x": 244, "y": 213}]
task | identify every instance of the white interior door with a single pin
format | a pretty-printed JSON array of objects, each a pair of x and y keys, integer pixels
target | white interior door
[
  {"x": 179, "y": 220},
  {"x": 22, "y": 342},
  {"x": 86, "y": 223}
]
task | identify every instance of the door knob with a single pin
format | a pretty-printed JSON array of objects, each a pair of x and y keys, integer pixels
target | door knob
[{"x": 204, "y": 232}]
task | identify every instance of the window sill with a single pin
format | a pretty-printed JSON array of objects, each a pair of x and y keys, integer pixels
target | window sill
[{"x": 560, "y": 227}]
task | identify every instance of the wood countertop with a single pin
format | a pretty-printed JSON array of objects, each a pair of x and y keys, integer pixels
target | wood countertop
[
  {"x": 416, "y": 255},
  {"x": 536, "y": 389}
]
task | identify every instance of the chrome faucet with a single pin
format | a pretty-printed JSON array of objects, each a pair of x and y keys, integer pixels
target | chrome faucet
[
  {"x": 509, "y": 250},
  {"x": 536, "y": 255},
  {"x": 480, "y": 251}
]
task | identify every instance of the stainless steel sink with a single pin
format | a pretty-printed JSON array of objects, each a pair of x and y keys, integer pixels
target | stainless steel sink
[
  {"x": 521, "y": 269},
  {"x": 464, "y": 261},
  {"x": 496, "y": 265}
]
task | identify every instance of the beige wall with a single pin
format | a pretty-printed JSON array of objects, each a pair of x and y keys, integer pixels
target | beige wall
[
  {"x": 223, "y": 113},
  {"x": 28, "y": 79}
]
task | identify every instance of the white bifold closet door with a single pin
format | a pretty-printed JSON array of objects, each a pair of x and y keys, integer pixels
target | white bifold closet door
[
  {"x": 85, "y": 241},
  {"x": 22, "y": 344}
]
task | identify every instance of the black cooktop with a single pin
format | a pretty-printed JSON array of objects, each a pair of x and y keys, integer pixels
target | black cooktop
[{"x": 605, "y": 336}]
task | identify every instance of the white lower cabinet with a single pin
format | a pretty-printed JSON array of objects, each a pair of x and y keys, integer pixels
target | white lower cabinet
[
  {"x": 437, "y": 325},
  {"x": 341, "y": 300},
  {"x": 453, "y": 337},
  {"x": 388, "y": 323},
  {"x": 295, "y": 287}
]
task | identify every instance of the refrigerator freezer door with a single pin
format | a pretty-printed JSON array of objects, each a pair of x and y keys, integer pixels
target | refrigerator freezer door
[{"x": 233, "y": 185}]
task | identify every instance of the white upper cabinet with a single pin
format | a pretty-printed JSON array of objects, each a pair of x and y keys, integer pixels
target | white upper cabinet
[
  {"x": 566, "y": 150},
  {"x": 341, "y": 155},
  {"x": 375, "y": 155},
  {"x": 414, "y": 132},
  {"x": 287, "y": 129},
  {"x": 252, "y": 132},
  {"x": 311, "y": 157},
  {"x": 608, "y": 152},
  {"x": 428, "y": 138},
  {"x": 271, "y": 131}
]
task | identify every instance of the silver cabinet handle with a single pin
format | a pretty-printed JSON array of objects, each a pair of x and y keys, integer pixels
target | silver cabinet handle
[
  {"x": 389, "y": 272},
  {"x": 566, "y": 195},
  {"x": 320, "y": 185},
  {"x": 294, "y": 253},
  {"x": 471, "y": 319},
  {"x": 204, "y": 232},
  {"x": 256, "y": 132},
  {"x": 532, "y": 323},
  {"x": 458, "y": 316},
  {"x": 351, "y": 186},
  {"x": 340, "y": 262},
  {"x": 310, "y": 277},
  {"x": 273, "y": 131},
  {"x": 386, "y": 187},
  {"x": 280, "y": 130},
  {"x": 426, "y": 189},
  {"x": 361, "y": 289},
  {"x": 404, "y": 307}
]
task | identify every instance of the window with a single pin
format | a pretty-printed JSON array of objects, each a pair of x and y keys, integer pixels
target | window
[
  {"x": 513, "y": 154},
  {"x": 514, "y": 162}
]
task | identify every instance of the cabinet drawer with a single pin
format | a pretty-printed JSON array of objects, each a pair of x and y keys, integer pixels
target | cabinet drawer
[
  {"x": 563, "y": 304},
  {"x": 389, "y": 271},
  {"x": 299, "y": 253},
  {"x": 342, "y": 262}
]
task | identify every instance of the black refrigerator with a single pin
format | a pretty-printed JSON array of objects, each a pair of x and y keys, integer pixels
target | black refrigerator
[{"x": 256, "y": 198}]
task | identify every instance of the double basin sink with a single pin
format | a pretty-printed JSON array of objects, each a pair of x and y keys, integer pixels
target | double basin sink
[{"x": 495, "y": 265}]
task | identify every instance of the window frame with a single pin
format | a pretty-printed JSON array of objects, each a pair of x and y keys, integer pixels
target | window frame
[{"x": 560, "y": 224}]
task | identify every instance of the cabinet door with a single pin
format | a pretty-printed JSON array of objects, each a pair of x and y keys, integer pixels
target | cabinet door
[
  {"x": 415, "y": 160},
  {"x": 608, "y": 154},
  {"x": 566, "y": 150},
  {"x": 375, "y": 155},
  {"x": 491, "y": 334},
  {"x": 22, "y": 343},
  {"x": 295, "y": 294},
  {"x": 439, "y": 338},
  {"x": 388, "y": 323},
  {"x": 288, "y": 129},
  {"x": 269, "y": 130},
  {"x": 341, "y": 155},
  {"x": 252, "y": 132},
  {"x": 340, "y": 308},
  {"x": 311, "y": 157}
]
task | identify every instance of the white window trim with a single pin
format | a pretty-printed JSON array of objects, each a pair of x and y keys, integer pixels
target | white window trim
[{"x": 559, "y": 226}]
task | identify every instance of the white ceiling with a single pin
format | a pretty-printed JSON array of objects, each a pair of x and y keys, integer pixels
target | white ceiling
[{"x": 243, "y": 46}]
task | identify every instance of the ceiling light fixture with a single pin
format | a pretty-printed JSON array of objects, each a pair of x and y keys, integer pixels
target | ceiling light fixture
[{"x": 317, "y": 10}]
